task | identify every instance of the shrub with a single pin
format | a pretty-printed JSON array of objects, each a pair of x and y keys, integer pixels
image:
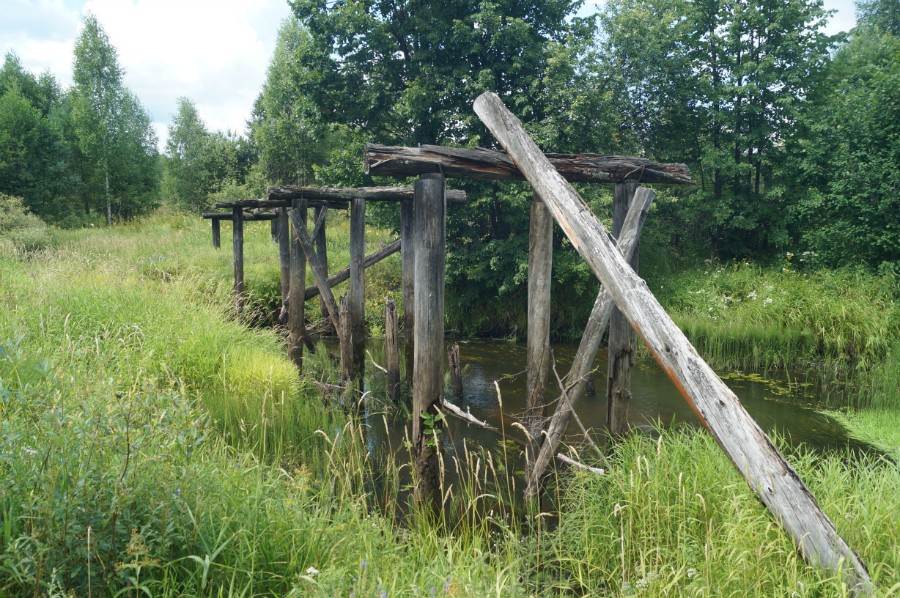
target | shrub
[{"x": 20, "y": 230}]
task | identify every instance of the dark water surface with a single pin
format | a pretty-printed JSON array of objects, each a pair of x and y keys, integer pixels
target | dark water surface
[{"x": 777, "y": 406}]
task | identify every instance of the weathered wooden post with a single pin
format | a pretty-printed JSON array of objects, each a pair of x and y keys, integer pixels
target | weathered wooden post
[
  {"x": 316, "y": 267},
  {"x": 428, "y": 367},
  {"x": 216, "y": 232},
  {"x": 321, "y": 249},
  {"x": 273, "y": 229},
  {"x": 455, "y": 365},
  {"x": 357, "y": 293},
  {"x": 621, "y": 336},
  {"x": 408, "y": 273},
  {"x": 345, "y": 332},
  {"x": 237, "y": 219},
  {"x": 540, "y": 270},
  {"x": 284, "y": 255},
  {"x": 580, "y": 374},
  {"x": 392, "y": 349},
  {"x": 750, "y": 450},
  {"x": 297, "y": 286}
]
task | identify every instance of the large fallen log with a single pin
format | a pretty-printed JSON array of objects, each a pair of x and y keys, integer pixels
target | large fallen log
[
  {"x": 576, "y": 380},
  {"x": 480, "y": 163},
  {"x": 766, "y": 471}
]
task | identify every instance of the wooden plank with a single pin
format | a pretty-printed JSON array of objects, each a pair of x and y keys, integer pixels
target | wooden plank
[
  {"x": 428, "y": 368},
  {"x": 392, "y": 348},
  {"x": 580, "y": 373},
  {"x": 408, "y": 275},
  {"x": 217, "y": 233},
  {"x": 237, "y": 243},
  {"x": 296, "y": 285},
  {"x": 716, "y": 406},
  {"x": 480, "y": 163},
  {"x": 453, "y": 196},
  {"x": 621, "y": 336},
  {"x": 371, "y": 259},
  {"x": 248, "y": 216},
  {"x": 316, "y": 268},
  {"x": 540, "y": 271},
  {"x": 357, "y": 291}
]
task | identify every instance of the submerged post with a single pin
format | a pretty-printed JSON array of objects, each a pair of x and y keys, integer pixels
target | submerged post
[
  {"x": 357, "y": 284},
  {"x": 455, "y": 365},
  {"x": 750, "y": 450},
  {"x": 428, "y": 369},
  {"x": 621, "y": 336},
  {"x": 392, "y": 349},
  {"x": 408, "y": 273},
  {"x": 216, "y": 232},
  {"x": 237, "y": 218},
  {"x": 345, "y": 332},
  {"x": 540, "y": 270},
  {"x": 297, "y": 286}
]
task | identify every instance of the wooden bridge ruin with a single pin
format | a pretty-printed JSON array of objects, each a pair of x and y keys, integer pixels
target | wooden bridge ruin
[{"x": 624, "y": 303}]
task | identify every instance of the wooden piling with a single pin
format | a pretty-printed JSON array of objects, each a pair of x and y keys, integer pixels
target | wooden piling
[
  {"x": 273, "y": 229},
  {"x": 455, "y": 365},
  {"x": 773, "y": 479},
  {"x": 284, "y": 254},
  {"x": 348, "y": 363},
  {"x": 316, "y": 267},
  {"x": 540, "y": 270},
  {"x": 216, "y": 232},
  {"x": 357, "y": 293},
  {"x": 297, "y": 286},
  {"x": 237, "y": 219},
  {"x": 428, "y": 370},
  {"x": 392, "y": 349},
  {"x": 621, "y": 336},
  {"x": 321, "y": 249},
  {"x": 408, "y": 274}
]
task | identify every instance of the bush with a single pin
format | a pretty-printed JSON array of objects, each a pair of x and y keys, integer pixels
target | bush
[{"x": 20, "y": 230}]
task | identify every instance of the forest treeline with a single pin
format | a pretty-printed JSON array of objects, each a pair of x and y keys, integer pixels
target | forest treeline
[{"x": 793, "y": 136}]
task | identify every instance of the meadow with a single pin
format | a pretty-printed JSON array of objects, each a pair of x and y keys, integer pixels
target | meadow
[{"x": 153, "y": 444}]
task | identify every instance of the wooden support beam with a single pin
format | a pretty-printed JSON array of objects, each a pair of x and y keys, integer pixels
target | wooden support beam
[
  {"x": 319, "y": 239},
  {"x": 297, "y": 284},
  {"x": 540, "y": 271},
  {"x": 455, "y": 366},
  {"x": 392, "y": 349},
  {"x": 284, "y": 254},
  {"x": 581, "y": 374},
  {"x": 371, "y": 259},
  {"x": 248, "y": 216},
  {"x": 408, "y": 277},
  {"x": 716, "y": 406},
  {"x": 621, "y": 336},
  {"x": 345, "y": 332},
  {"x": 358, "y": 284},
  {"x": 428, "y": 375},
  {"x": 317, "y": 271},
  {"x": 480, "y": 163},
  {"x": 237, "y": 238},
  {"x": 454, "y": 196},
  {"x": 217, "y": 233}
]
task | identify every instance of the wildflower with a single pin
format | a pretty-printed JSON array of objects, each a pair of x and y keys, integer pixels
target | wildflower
[
  {"x": 363, "y": 564},
  {"x": 751, "y": 295},
  {"x": 312, "y": 571},
  {"x": 768, "y": 300},
  {"x": 691, "y": 572}
]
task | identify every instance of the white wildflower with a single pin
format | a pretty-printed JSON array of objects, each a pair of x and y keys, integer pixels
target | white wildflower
[{"x": 312, "y": 571}]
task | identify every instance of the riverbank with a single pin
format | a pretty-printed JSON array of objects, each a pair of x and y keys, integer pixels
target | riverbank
[{"x": 150, "y": 443}]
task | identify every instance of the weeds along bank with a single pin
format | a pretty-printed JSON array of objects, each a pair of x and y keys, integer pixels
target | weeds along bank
[{"x": 149, "y": 443}]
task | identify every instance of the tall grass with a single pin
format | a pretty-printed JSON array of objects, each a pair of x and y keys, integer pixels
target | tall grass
[
  {"x": 838, "y": 325},
  {"x": 152, "y": 444}
]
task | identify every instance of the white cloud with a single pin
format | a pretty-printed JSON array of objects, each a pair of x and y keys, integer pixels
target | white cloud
[{"x": 214, "y": 52}]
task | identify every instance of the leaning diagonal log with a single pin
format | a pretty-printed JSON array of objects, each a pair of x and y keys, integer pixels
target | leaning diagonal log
[
  {"x": 576, "y": 379},
  {"x": 339, "y": 277},
  {"x": 480, "y": 163},
  {"x": 750, "y": 450},
  {"x": 316, "y": 267}
]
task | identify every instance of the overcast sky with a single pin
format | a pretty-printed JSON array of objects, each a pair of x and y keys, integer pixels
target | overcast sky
[{"x": 214, "y": 52}]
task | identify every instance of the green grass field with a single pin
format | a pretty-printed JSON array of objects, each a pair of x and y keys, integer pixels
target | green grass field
[{"x": 151, "y": 444}]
